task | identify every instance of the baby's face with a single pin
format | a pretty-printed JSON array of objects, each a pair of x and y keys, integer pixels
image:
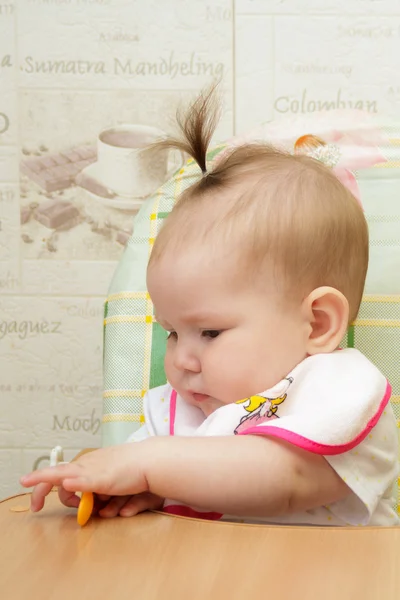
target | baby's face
[{"x": 227, "y": 340}]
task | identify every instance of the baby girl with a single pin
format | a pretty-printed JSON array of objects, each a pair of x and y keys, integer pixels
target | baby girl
[{"x": 256, "y": 276}]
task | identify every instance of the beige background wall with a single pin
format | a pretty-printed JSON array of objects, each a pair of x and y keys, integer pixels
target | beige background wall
[{"x": 69, "y": 69}]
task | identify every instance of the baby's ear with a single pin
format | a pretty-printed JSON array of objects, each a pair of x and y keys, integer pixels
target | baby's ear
[{"x": 327, "y": 312}]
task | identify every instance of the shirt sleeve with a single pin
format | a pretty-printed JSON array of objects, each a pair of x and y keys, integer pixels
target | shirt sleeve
[{"x": 370, "y": 471}]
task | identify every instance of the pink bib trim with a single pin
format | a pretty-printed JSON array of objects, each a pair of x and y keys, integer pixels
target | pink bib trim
[
  {"x": 172, "y": 412},
  {"x": 316, "y": 447}
]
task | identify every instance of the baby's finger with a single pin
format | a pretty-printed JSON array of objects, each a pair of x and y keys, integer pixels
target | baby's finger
[
  {"x": 69, "y": 499},
  {"x": 103, "y": 497},
  {"x": 81, "y": 483},
  {"x": 53, "y": 475},
  {"x": 140, "y": 503},
  {"x": 38, "y": 496},
  {"x": 113, "y": 508}
]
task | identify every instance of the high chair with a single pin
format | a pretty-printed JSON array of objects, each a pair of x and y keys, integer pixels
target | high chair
[{"x": 134, "y": 343}]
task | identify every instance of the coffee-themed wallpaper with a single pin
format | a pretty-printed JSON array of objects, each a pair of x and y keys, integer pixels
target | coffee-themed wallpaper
[{"x": 85, "y": 84}]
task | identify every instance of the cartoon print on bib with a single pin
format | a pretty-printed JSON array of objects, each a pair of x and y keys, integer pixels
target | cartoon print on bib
[{"x": 263, "y": 407}]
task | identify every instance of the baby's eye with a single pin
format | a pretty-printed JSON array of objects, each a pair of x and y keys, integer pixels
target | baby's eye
[
  {"x": 172, "y": 335},
  {"x": 211, "y": 333}
]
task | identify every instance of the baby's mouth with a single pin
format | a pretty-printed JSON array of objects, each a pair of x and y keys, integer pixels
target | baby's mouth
[{"x": 200, "y": 397}]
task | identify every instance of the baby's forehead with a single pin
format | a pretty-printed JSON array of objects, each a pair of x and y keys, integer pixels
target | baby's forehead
[
  {"x": 193, "y": 261},
  {"x": 198, "y": 291},
  {"x": 217, "y": 272}
]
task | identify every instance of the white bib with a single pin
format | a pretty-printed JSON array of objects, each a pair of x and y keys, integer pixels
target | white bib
[{"x": 327, "y": 405}]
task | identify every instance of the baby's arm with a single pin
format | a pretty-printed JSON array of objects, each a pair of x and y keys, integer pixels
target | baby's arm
[
  {"x": 241, "y": 475},
  {"x": 237, "y": 475}
]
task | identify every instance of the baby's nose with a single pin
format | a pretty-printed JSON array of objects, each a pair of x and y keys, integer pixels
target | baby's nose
[{"x": 186, "y": 360}]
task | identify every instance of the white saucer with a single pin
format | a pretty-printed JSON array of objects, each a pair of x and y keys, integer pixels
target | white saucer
[{"x": 89, "y": 179}]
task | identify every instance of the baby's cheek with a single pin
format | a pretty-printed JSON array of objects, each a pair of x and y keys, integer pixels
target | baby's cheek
[
  {"x": 213, "y": 367},
  {"x": 170, "y": 372},
  {"x": 226, "y": 375}
]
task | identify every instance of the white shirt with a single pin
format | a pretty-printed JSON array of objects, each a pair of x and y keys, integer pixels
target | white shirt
[{"x": 336, "y": 405}]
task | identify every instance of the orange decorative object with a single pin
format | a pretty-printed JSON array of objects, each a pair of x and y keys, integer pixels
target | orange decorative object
[
  {"x": 307, "y": 142},
  {"x": 85, "y": 508}
]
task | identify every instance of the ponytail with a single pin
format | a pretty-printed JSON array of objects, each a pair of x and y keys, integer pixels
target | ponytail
[{"x": 197, "y": 126}]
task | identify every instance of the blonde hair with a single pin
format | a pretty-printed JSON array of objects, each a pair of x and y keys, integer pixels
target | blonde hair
[{"x": 287, "y": 210}]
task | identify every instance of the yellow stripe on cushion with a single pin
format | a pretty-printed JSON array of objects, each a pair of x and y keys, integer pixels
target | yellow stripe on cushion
[
  {"x": 123, "y": 418},
  {"x": 128, "y": 319},
  {"x": 377, "y": 323},
  {"x": 178, "y": 184},
  {"x": 123, "y": 393},
  {"x": 391, "y": 164},
  {"x": 378, "y": 299},
  {"x": 124, "y": 295},
  {"x": 147, "y": 344}
]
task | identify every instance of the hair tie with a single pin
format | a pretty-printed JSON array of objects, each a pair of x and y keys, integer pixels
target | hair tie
[{"x": 313, "y": 146}]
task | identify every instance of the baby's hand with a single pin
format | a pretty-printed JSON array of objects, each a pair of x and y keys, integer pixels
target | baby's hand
[
  {"x": 104, "y": 506},
  {"x": 113, "y": 471},
  {"x": 126, "y": 506},
  {"x": 42, "y": 490}
]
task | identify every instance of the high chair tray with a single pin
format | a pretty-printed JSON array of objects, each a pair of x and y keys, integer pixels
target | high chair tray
[{"x": 161, "y": 557}]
